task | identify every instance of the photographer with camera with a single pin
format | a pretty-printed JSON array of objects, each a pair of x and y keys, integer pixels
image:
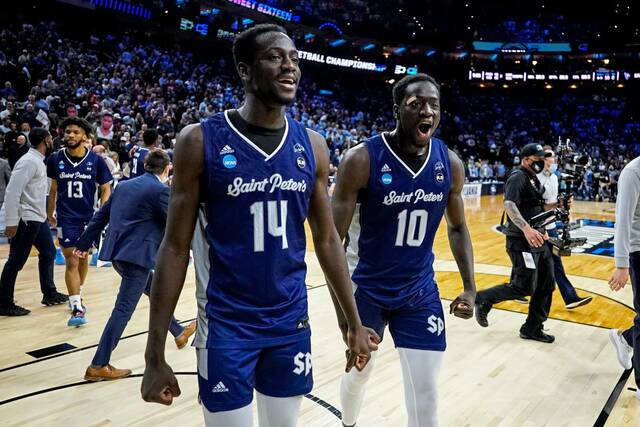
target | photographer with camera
[
  {"x": 532, "y": 271},
  {"x": 549, "y": 181}
]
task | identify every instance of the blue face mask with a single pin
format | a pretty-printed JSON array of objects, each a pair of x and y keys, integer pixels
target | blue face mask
[{"x": 553, "y": 168}]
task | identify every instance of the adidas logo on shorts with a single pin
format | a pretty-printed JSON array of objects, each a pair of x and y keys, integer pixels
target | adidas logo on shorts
[
  {"x": 385, "y": 168},
  {"x": 226, "y": 150},
  {"x": 220, "y": 388}
]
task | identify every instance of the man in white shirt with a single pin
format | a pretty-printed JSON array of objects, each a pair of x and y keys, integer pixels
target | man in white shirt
[
  {"x": 549, "y": 181},
  {"x": 627, "y": 259},
  {"x": 26, "y": 226}
]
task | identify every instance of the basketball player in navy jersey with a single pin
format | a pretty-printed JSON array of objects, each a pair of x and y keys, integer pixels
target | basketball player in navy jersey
[
  {"x": 391, "y": 194},
  {"x": 76, "y": 172},
  {"x": 151, "y": 139},
  {"x": 259, "y": 174}
]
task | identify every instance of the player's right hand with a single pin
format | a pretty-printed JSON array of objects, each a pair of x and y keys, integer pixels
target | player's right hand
[
  {"x": 52, "y": 220},
  {"x": 159, "y": 384},
  {"x": 361, "y": 342}
]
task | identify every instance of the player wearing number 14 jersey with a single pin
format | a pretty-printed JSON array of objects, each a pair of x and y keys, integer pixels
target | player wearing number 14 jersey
[
  {"x": 259, "y": 175},
  {"x": 391, "y": 194},
  {"x": 76, "y": 172}
]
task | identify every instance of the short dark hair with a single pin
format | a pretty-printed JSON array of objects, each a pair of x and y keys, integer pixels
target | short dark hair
[
  {"x": 245, "y": 46},
  {"x": 400, "y": 88},
  {"x": 37, "y": 136},
  {"x": 150, "y": 136},
  {"x": 156, "y": 161},
  {"x": 77, "y": 121}
]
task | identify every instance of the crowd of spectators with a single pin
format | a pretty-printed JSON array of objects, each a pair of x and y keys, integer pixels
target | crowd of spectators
[{"x": 125, "y": 84}]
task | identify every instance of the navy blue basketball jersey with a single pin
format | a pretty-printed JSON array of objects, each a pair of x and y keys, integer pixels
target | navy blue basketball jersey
[
  {"x": 137, "y": 162},
  {"x": 391, "y": 236},
  {"x": 255, "y": 207},
  {"x": 77, "y": 184}
]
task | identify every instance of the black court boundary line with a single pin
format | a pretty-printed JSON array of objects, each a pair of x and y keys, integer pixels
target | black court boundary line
[
  {"x": 329, "y": 407},
  {"x": 75, "y": 350},
  {"x": 613, "y": 399}
]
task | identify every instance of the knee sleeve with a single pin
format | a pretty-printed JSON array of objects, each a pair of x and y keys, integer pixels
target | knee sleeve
[
  {"x": 278, "y": 411},
  {"x": 241, "y": 417},
  {"x": 352, "y": 391},
  {"x": 420, "y": 369}
]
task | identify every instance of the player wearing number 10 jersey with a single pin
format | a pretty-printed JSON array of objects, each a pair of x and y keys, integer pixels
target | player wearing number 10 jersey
[
  {"x": 259, "y": 175},
  {"x": 75, "y": 172},
  {"x": 391, "y": 194}
]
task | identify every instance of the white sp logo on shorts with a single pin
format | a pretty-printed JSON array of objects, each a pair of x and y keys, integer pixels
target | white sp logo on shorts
[
  {"x": 303, "y": 363},
  {"x": 436, "y": 325}
]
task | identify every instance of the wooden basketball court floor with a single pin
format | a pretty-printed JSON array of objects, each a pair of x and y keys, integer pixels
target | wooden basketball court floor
[{"x": 490, "y": 377}]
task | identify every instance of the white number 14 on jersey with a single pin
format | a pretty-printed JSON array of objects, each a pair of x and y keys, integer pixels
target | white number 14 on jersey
[{"x": 257, "y": 210}]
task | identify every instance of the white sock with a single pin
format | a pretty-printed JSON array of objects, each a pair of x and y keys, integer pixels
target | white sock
[
  {"x": 352, "y": 391},
  {"x": 75, "y": 302}
]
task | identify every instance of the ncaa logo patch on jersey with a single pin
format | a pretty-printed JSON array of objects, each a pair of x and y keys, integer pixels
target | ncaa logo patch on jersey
[
  {"x": 297, "y": 148},
  {"x": 229, "y": 161},
  {"x": 61, "y": 165},
  {"x": 301, "y": 163},
  {"x": 386, "y": 178}
]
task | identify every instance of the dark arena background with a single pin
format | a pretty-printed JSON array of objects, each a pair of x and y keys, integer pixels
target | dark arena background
[{"x": 563, "y": 74}]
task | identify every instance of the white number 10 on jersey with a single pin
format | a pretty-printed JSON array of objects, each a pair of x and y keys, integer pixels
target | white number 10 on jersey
[
  {"x": 415, "y": 231},
  {"x": 257, "y": 210}
]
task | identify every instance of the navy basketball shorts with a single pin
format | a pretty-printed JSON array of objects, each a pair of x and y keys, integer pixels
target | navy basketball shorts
[
  {"x": 68, "y": 234},
  {"x": 417, "y": 325},
  {"x": 227, "y": 377}
]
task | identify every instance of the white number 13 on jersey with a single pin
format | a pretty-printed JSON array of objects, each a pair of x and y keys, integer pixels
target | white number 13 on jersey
[
  {"x": 257, "y": 210},
  {"x": 417, "y": 220}
]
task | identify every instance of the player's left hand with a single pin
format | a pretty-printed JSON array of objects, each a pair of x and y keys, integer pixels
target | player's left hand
[
  {"x": 463, "y": 305},
  {"x": 360, "y": 344}
]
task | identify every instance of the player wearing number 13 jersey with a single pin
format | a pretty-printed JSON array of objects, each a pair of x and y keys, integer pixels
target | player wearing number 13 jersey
[
  {"x": 76, "y": 172},
  {"x": 259, "y": 175},
  {"x": 391, "y": 194}
]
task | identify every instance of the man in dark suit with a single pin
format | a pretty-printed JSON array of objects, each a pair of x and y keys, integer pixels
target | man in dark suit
[{"x": 136, "y": 214}]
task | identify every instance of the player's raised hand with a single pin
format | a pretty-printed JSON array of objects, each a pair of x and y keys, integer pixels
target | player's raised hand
[
  {"x": 463, "y": 305},
  {"x": 360, "y": 343},
  {"x": 159, "y": 384}
]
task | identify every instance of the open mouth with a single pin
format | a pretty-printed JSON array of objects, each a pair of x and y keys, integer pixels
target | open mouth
[{"x": 424, "y": 128}]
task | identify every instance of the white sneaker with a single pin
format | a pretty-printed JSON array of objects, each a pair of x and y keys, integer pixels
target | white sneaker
[{"x": 623, "y": 350}]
